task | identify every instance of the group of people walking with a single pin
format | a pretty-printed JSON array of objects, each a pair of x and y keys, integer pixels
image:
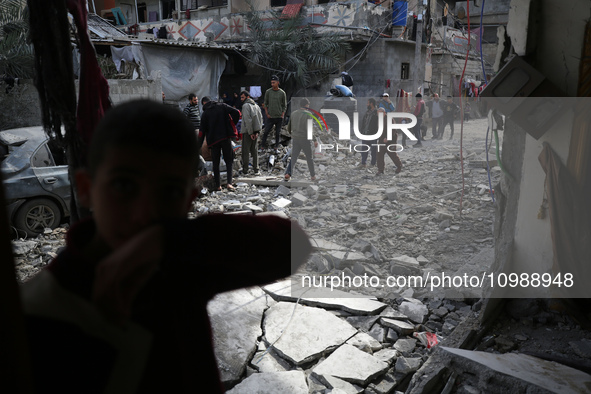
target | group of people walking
[{"x": 216, "y": 124}]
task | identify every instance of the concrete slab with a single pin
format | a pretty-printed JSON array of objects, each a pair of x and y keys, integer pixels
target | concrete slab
[
  {"x": 280, "y": 214},
  {"x": 303, "y": 335},
  {"x": 324, "y": 298},
  {"x": 323, "y": 244},
  {"x": 292, "y": 382},
  {"x": 339, "y": 384},
  {"x": 236, "y": 324},
  {"x": 273, "y": 181},
  {"x": 548, "y": 375},
  {"x": 402, "y": 328},
  {"x": 351, "y": 364},
  {"x": 270, "y": 361}
]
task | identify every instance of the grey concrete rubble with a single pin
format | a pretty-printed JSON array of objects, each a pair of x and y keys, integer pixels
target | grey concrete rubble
[{"x": 343, "y": 333}]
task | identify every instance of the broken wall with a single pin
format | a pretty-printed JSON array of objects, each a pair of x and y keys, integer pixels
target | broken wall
[
  {"x": 21, "y": 107},
  {"x": 372, "y": 78},
  {"x": 557, "y": 48}
]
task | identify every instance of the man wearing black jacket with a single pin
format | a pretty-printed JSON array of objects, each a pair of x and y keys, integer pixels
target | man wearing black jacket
[{"x": 217, "y": 123}]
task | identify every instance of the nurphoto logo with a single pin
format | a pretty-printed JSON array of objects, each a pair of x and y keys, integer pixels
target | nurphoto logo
[{"x": 404, "y": 122}]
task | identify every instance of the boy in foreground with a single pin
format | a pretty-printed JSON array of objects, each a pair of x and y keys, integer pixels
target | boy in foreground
[{"x": 123, "y": 308}]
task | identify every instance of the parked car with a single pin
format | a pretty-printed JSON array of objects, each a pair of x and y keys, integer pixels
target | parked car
[{"x": 35, "y": 177}]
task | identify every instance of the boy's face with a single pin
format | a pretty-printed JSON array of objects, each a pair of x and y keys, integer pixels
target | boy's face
[{"x": 134, "y": 188}]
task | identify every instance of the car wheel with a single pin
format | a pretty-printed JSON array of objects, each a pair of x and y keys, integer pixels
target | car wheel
[{"x": 35, "y": 215}]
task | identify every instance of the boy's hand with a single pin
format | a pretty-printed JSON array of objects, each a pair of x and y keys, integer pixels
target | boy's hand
[{"x": 121, "y": 275}]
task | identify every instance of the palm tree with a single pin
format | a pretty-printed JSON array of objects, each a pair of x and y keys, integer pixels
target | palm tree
[
  {"x": 16, "y": 54},
  {"x": 293, "y": 50}
]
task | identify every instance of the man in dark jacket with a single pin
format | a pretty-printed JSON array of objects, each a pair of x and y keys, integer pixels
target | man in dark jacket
[
  {"x": 450, "y": 109},
  {"x": 370, "y": 127},
  {"x": 216, "y": 125}
]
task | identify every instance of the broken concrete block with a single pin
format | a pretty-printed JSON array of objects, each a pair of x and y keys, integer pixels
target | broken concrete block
[
  {"x": 335, "y": 383},
  {"x": 351, "y": 364},
  {"x": 443, "y": 216},
  {"x": 378, "y": 332},
  {"x": 312, "y": 190},
  {"x": 320, "y": 264},
  {"x": 311, "y": 331},
  {"x": 444, "y": 224},
  {"x": 384, "y": 212},
  {"x": 358, "y": 269},
  {"x": 384, "y": 385},
  {"x": 403, "y": 218},
  {"x": 280, "y": 214},
  {"x": 407, "y": 365},
  {"x": 362, "y": 322},
  {"x": 424, "y": 208},
  {"x": 365, "y": 342},
  {"x": 405, "y": 345},
  {"x": 273, "y": 383},
  {"x": 416, "y": 312},
  {"x": 402, "y": 328},
  {"x": 407, "y": 260},
  {"x": 346, "y": 259},
  {"x": 392, "y": 194},
  {"x": 361, "y": 245},
  {"x": 298, "y": 199},
  {"x": 281, "y": 203},
  {"x": 386, "y": 355},
  {"x": 326, "y": 245},
  {"x": 392, "y": 335},
  {"x": 324, "y": 298},
  {"x": 422, "y": 260},
  {"x": 235, "y": 345},
  {"x": 21, "y": 248},
  {"x": 340, "y": 189}
]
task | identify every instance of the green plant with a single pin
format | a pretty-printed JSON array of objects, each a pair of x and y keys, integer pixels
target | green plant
[
  {"x": 292, "y": 49},
  {"x": 16, "y": 54}
]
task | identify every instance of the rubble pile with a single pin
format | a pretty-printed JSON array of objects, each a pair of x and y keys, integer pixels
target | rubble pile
[
  {"x": 32, "y": 254},
  {"x": 318, "y": 344},
  {"x": 425, "y": 222}
]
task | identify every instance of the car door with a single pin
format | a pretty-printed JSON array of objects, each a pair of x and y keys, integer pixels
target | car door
[{"x": 52, "y": 178}]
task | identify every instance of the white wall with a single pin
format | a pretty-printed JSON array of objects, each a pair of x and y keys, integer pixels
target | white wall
[{"x": 558, "y": 43}]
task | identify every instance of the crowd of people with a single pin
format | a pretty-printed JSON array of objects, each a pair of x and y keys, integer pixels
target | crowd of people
[{"x": 266, "y": 120}]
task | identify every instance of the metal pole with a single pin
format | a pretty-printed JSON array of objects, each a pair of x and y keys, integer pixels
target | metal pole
[
  {"x": 417, "y": 77},
  {"x": 137, "y": 16}
]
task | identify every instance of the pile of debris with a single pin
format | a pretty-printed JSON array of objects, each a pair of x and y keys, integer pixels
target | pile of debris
[{"x": 425, "y": 222}]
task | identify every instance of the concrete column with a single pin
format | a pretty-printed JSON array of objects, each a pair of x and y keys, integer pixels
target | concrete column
[{"x": 417, "y": 78}]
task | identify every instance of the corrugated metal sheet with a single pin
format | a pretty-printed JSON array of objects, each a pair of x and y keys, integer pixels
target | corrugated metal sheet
[
  {"x": 102, "y": 28},
  {"x": 128, "y": 40}
]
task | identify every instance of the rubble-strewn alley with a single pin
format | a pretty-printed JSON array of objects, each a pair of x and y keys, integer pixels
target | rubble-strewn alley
[{"x": 381, "y": 339}]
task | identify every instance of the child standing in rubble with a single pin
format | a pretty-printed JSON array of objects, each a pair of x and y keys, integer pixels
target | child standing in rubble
[{"x": 123, "y": 307}]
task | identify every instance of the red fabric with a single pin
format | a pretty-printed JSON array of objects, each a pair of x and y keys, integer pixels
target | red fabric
[
  {"x": 93, "y": 99},
  {"x": 291, "y": 10}
]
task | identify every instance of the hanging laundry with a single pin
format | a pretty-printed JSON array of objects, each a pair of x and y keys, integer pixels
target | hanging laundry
[{"x": 255, "y": 92}]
